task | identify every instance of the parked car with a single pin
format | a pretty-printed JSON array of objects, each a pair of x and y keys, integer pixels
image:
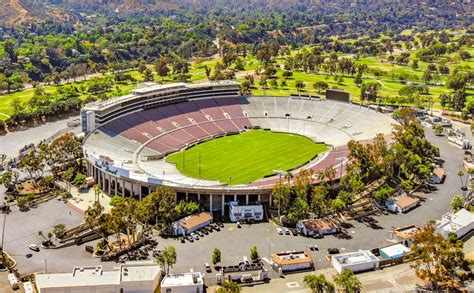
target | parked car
[
  {"x": 238, "y": 225},
  {"x": 280, "y": 231},
  {"x": 157, "y": 253},
  {"x": 195, "y": 236},
  {"x": 294, "y": 232},
  {"x": 28, "y": 255},
  {"x": 317, "y": 236},
  {"x": 182, "y": 239},
  {"x": 207, "y": 267},
  {"x": 287, "y": 231},
  {"x": 209, "y": 229},
  {"x": 199, "y": 233},
  {"x": 220, "y": 224},
  {"x": 215, "y": 227},
  {"x": 204, "y": 231},
  {"x": 34, "y": 247},
  {"x": 333, "y": 251},
  {"x": 189, "y": 238}
]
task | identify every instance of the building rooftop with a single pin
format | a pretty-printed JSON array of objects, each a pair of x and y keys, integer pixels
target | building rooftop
[
  {"x": 95, "y": 276},
  {"x": 406, "y": 201},
  {"x": 321, "y": 224},
  {"x": 439, "y": 172},
  {"x": 396, "y": 250},
  {"x": 361, "y": 256},
  {"x": 292, "y": 257},
  {"x": 454, "y": 221},
  {"x": 182, "y": 279},
  {"x": 406, "y": 232},
  {"x": 195, "y": 220},
  {"x": 151, "y": 87}
]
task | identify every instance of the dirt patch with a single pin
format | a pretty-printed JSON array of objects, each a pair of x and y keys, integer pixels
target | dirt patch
[{"x": 28, "y": 188}]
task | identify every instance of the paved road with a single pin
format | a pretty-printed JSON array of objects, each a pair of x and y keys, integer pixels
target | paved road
[
  {"x": 22, "y": 230},
  {"x": 11, "y": 143}
]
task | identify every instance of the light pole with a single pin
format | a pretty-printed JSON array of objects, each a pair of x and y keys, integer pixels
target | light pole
[
  {"x": 3, "y": 234},
  {"x": 280, "y": 173},
  {"x": 341, "y": 161}
]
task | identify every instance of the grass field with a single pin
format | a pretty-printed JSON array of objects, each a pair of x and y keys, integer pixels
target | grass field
[{"x": 246, "y": 157}]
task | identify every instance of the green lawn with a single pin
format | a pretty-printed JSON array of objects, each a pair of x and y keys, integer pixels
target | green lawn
[{"x": 246, "y": 157}]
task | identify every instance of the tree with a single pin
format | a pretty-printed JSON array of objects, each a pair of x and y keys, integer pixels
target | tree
[
  {"x": 229, "y": 287},
  {"x": 59, "y": 231},
  {"x": 427, "y": 77},
  {"x": 148, "y": 75},
  {"x": 159, "y": 206},
  {"x": 318, "y": 283},
  {"x": 437, "y": 260},
  {"x": 299, "y": 86},
  {"x": 97, "y": 191},
  {"x": 320, "y": 86},
  {"x": 168, "y": 258},
  {"x": 457, "y": 203},
  {"x": 216, "y": 256},
  {"x": 438, "y": 129},
  {"x": 184, "y": 208},
  {"x": 254, "y": 254},
  {"x": 281, "y": 195},
  {"x": 369, "y": 91},
  {"x": 32, "y": 164},
  {"x": 348, "y": 281},
  {"x": 162, "y": 67}
]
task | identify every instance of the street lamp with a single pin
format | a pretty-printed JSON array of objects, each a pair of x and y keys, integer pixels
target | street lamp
[
  {"x": 341, "y": 160},
  {"x": 279, "y": 172}
]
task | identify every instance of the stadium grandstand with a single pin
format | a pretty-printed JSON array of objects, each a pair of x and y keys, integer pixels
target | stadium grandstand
[{"x": 128, "y": 138}]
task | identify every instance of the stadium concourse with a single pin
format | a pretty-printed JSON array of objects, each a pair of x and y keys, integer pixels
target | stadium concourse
[{"x": 127, "y": 154}]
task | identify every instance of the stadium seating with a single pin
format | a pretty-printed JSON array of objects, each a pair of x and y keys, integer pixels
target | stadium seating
[{"x": 163, "y": 130}]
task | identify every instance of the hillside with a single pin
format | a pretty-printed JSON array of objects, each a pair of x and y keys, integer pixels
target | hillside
[{"x": 13, "y": 11}]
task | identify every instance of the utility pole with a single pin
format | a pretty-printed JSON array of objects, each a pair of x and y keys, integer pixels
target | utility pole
[
  {"x": 199, "y": 164},
  {"x": 280, "y": 173},
  {"x": 3, "y": 235}
]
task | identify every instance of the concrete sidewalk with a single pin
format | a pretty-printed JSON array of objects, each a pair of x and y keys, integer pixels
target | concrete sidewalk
[{"x": 84, "y": 198}]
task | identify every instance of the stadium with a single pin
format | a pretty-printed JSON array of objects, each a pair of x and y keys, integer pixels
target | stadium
[{"x": 212, "y": 145}]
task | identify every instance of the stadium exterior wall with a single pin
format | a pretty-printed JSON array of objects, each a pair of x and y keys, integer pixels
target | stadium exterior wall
[{"x": 213, "y": 200}]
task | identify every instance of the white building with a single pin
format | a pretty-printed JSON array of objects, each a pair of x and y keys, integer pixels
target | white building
[
  {"x": 402, "y": 203},
  {"x": 460, "y": 223},
  {"x": 362, "y": 260},
  {"x": 136, "y": 277},
  {"x": 394, "y": 251},
  {"x": 183, "y": 283},
  {"x": 237, "y": 212}
]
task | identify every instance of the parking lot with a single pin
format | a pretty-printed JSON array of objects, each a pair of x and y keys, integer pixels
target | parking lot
[
  {"x": 22, "y": 228},
  {"x": 235, "y": 243}
]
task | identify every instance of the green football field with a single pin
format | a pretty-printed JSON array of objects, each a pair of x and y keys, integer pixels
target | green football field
[{"x": 246, "y": 157}]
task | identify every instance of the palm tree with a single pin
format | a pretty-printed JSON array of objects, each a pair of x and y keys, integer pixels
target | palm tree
[
  {"x": 318, "y": 283},
  {"x": 288, "y": 177},
  {"x": 97, "y": 189},
  {"x": 348, "y": 281},
  {"x": 40, "y": 233},
  {"x": 463, "y": 187},
  {"x": 461, "y": 174}
]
